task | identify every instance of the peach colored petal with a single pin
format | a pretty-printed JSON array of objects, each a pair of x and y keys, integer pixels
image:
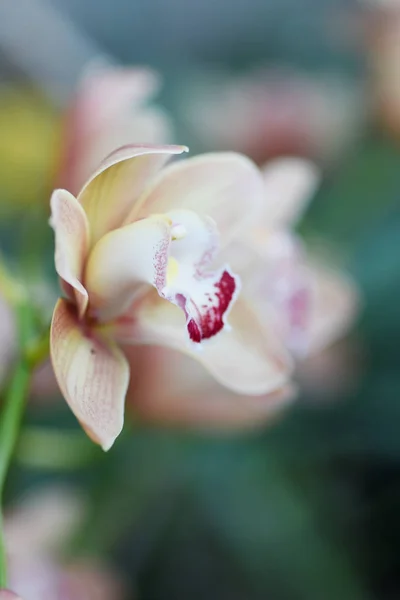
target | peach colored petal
[
  {"x": 226, "y": 187},
  {"x": 289, "y": 186},
  {"x": 71, "y": 244},
  {"x": 170, "y": 388},
  {"x": 335, "y": 304},
  {"x": 112, "y": 190},
  {"x": 246, "y": 359},
  {"x": 92, "y": 373},
  {"x": 125, "y": 259}
]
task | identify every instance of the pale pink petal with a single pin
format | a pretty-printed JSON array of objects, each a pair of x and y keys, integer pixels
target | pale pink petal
[
  {"x": 93, "y": 581},
  {"x": 109, "y": 111},
  {"x": 7, "y": 595},
  {"x": 42, "y": 518},
  {"x": 170, "y": 388},
  {"x": 107, "y": 90},
  {"x": 289, "y": 186},
  {"x": 125, "y": 259},
  {"x": 71, "y": 244},
  {"x": 92, "y": 373},
  {"x": 112, "y": 190},
  {"x": 275, "y": 276},
  {"x": 335, "y": 304},
  {"x": 226, "y": 187},
  {"x": 246, "y": 359}
]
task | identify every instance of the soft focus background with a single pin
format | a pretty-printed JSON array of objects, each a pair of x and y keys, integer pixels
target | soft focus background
[{"x": 307, "y": 507}]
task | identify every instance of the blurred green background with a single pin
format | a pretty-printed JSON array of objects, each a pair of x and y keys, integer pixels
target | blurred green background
[{"x": 309, "y": 507}]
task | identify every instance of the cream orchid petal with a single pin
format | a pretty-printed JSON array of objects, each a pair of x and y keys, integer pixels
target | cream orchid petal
[
  {"x": 112, "y": 190},
  {"x": 246, "y": 359},
  {"x": 225, "y": 186},
  {"x": 289, "y": 186},
  {"x": 125, "y": 259},
  {"x": 335, "y": 302},
  {"x": 71, "y": 230},
  {"x": 171, "y": 388},
  {"x": 92, "y": 373}
]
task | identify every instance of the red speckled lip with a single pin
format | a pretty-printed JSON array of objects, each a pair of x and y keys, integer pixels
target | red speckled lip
[{"x": 210, "y": 319}]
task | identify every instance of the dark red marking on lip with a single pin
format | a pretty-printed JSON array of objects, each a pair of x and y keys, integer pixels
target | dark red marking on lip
[{"x": 210, "y": 322}]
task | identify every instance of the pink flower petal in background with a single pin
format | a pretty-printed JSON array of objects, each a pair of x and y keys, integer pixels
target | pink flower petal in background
[
  {"x": 111, "y": 108},
  {"x": 267, "y": 113},
  {"x": 7, "y": 595},
  {"x": 35, "y": 531}
]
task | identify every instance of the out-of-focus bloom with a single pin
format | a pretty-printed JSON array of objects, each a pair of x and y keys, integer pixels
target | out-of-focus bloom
[
  {"x": 137, "y": 255},
  {"x": 275, "y": 112},
  {"x": 305, "y": 304},
  {"x": 7, "y": 595},
  {"x": 35, "y": 532},
  {"x": 383, "y": 41},
  {"x": 111, "y": 108},
  {"x": 310, "y": 302}
]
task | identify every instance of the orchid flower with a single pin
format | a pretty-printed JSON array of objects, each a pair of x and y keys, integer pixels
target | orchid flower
[
  {"x": 306, "y": 304},
  {"x": 110, "y": 108},
  {"x": 35, "y": 530},
  {"x": 137, "y": 253},
  {"x": 7, "y": 595}
]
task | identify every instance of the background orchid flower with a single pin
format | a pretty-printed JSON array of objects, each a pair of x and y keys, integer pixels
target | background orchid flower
[
  {"x": 111, "y": 107},
  {"x": 137, "y": 255},
  {"x": 311, "y": 303},
  {"x": 382, "y": 41},
  {"x": 7, "y": 595},
  {"x": 36, "y": 528},
  {"x": 282, "y": 111}
]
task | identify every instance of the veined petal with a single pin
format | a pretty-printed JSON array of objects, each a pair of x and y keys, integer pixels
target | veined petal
[
  {"x": 289, "y": 186},
  {"x": 246, "y": 359},
  {"x": 225, "y": 186},
  {"x": 169, "y": 387},
  {"x": 335, "y": 302},
  {"x": 71, "y": 230},
  {"x": 109, "y": 194},
  {"x": 92, "y": 373},
  {"x": 125, "y": 259}
]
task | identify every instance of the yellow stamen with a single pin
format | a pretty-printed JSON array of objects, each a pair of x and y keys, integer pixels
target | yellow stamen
[{"x": 172, "y": 270}]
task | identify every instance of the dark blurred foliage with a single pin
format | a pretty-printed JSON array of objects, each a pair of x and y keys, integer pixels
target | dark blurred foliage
[{"x": 309, "y": 508}]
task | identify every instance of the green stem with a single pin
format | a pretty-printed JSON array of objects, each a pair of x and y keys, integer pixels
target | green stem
[{"x": 13, "y": 409}]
